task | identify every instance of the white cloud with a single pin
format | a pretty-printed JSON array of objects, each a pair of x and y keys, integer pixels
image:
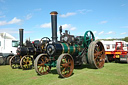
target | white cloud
[
  {"x": 103, "y": 22},
  {"x": 109, "y": 38},
  {"x": 12, "y": 30},
  {"x": 2, "y": 16},
  {"x": 3, "y": 23},
  {"x": 46, "y": 25},
  {"x": 94, "y": 32},
  {"x": 29, "y": 16},
  {"x": 124, "y": 27},
  {"x": 110, "y": 32},
  {"x": 13, "y": 21},
  {"x": 101, "y": 32},
  {"x": 73, "y": 28},
  {"x": 68, "y": 14},
  {"x": 84, "y": 11},
  {"x": 123, "y": 33},
  {"x": 64, "y": 26},
  {"x": 68, "y": 26}
]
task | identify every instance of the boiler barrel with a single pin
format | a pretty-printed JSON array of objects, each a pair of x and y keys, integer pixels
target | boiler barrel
[
  {"x": 28, "y": 51},
  {"x": 57, "y": 49}
]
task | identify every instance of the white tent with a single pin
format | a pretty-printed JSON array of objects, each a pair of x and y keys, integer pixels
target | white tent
[{"x": 6, "y": 36}]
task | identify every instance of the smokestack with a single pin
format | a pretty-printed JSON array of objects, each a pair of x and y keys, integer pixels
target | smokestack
[
  {"x": 54, "y": 25},
  {"x": 21, "y": 37}
]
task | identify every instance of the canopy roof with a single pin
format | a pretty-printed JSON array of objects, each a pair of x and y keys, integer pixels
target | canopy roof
[{"x": 6, "y": 36}]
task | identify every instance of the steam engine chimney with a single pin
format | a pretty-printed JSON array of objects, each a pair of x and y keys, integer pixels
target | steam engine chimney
[
  {"x": 54, "y": 25},
  {"x": 21, "y": 37}
]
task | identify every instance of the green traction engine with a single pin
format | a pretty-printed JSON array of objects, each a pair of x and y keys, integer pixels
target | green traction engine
[{"x": 70, "y": 51}]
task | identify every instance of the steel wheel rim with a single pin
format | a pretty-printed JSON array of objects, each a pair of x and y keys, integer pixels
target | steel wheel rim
[
  {"x": 96, "y": 54},
  {"x": 41, "y": 64},
  {"x": 99, "y": 55},
  {"x": 12, "y": 64},
  {"x": 26, "y": 62},
  {"x": 65, "y": 65}
]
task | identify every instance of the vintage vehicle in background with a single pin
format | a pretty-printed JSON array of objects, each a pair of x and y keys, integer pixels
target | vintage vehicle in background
[
  {"x": 116, "y": 51},
  {"x": 70, "y": 51},
  {"x": 26, "y": 53},
  {"x": 8, "y": 46}
]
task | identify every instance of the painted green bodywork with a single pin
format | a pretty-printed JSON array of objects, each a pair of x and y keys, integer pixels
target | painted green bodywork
[{"x": 76, "y": 49}]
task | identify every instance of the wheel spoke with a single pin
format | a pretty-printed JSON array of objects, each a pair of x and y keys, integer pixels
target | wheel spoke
[
  {"x": 42, "y": 61},
  {"x": 65, "y": 65},
  {"x": 96, "y": 54}
]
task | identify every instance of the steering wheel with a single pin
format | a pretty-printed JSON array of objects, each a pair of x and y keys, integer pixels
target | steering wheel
[{"x": 44, "y": 40}]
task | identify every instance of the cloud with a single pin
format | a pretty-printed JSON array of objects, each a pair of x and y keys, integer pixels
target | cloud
[
  {"x": 13, "y": 21},
  {"x": 46, "y": 25},
  {"x": 84, "y": 11},
  {"x": 73, "y": 28},
  {"x": 103, "y": 22},
  {"x": 94, "y": 32},
  {"x": 29, "y": 16},
  {"x": 123, "y": 33},
  {"x": 68, "y": 26},
  {"x": 2, "y": 16},
  {"x": 13, "y": 31},
  {"x": 101, "y": 32},
  {"x": 3, "y": 23},
  {"x": 124, "y": 27},
  {"x": 110, "y": 32},
  {"x": 68, "y": 14}
]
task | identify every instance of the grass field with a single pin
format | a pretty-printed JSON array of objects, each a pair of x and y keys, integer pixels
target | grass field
[{"x": 111, "y": 74}]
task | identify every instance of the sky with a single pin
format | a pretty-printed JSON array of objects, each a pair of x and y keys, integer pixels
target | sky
[{"x": 107, "y": 19}]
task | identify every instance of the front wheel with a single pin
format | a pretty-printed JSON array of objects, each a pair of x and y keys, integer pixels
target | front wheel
[
  {"x": 15, "y": 62},
  {"x": 27, "y": 62},
  {"x": 41, "y": 64},
  {"x": 65, "y": 65}
]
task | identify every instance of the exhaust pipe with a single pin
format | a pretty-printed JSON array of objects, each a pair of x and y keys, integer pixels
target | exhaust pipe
[
  {"x": 21, "y": 37},
  {"x": 54, "y": 25}
]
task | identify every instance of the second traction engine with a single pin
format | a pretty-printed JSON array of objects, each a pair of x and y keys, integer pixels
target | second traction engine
[{"x": 70, "y": 51}]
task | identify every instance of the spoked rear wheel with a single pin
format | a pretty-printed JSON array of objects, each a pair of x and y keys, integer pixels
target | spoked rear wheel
[
  {"x": 27, "y": 62},
  {"x": 96, "y": 54},
  {"x": 15, "y": 62},
  {"x": 41, "y": 64},
  {"x": 65, "y": 65}
]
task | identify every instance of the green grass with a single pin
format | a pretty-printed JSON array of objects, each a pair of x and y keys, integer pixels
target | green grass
[{"x": 111, "y": 74}]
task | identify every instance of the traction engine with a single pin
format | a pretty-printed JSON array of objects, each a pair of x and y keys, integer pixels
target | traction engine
[
  {"x": 70, "y": 51},
  {"x": 28, "y": 52}
]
